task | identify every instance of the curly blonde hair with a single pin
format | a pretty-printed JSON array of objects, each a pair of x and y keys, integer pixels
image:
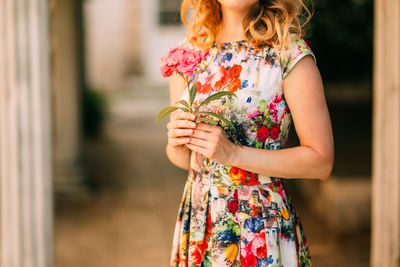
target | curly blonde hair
[{"x": 276, "y": 23}]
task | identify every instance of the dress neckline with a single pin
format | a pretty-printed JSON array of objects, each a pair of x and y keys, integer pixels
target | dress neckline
[
  {"x": 242, "y": 42},
  {"x": 237, "y": 43}
]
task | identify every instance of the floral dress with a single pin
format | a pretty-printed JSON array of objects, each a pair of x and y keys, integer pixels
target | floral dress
[{"x": 229, "y": 216}]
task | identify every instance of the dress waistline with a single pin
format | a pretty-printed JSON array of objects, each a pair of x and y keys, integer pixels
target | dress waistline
[{"x": 235, "y": 178}]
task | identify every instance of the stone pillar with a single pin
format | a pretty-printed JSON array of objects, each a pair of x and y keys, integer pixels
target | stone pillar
[
  {"x": 385, "y": 242},
  {"x": 66, "y": 84},
  {"x": 132, "y": 13},
  {"x": 25, "y": 139}
]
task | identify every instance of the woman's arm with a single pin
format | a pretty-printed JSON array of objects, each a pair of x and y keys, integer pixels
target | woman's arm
[
  {"x": 305, "y": 97},
  {"x": 179, "y": 126}
]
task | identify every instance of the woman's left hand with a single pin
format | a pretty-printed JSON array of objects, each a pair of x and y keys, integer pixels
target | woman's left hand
[{"x": 211, "y": 141}]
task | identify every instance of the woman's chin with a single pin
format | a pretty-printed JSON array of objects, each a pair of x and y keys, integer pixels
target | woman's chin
[{"x": 238, "y": 5}]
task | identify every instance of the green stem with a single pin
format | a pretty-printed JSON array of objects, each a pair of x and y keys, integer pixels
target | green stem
[
  {"x": 190, "y": 104},
  {"x": 188, "y": 88}
]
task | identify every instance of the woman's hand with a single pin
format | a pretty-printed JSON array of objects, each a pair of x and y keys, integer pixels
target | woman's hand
[
  {"x": 180, "y": 126},
  {"x": 210, "y": 141}
]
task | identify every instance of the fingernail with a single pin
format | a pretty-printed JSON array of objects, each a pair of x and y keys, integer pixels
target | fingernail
[{"x": 193, "y": 116}]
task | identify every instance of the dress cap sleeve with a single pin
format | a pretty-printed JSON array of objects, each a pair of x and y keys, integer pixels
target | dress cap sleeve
[{"x": 297, "y": 51}]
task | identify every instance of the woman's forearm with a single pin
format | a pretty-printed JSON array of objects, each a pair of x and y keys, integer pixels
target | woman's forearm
[
  {"x": 179, "y": 156},
  {"x": 294, "y": 162}
]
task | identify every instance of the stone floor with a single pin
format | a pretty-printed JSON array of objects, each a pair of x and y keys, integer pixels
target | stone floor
[{"x": 127, "y": 218}]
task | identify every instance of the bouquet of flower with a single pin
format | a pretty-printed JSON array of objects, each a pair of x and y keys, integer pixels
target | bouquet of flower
[{"x": 185, "y": 62}]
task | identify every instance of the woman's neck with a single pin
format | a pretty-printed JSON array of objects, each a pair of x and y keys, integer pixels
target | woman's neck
[{"x": 231, "y": 26}]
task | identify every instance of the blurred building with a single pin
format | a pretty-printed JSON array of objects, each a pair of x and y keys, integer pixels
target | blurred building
[{"x": 125, "y": 39}]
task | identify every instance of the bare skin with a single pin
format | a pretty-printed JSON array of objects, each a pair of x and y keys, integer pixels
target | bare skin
[{"x": 304, "y": 93}]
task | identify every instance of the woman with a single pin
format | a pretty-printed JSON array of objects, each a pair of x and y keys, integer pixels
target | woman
[{"x": 235, "y": 210}]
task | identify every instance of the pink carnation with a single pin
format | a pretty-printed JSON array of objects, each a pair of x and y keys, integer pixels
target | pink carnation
[
  {"x": 169, "y": 63},
  {"x": 182, "y": 60}
]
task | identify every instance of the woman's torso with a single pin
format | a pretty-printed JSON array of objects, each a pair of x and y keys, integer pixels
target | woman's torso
[{"x": 259, "y": 113}]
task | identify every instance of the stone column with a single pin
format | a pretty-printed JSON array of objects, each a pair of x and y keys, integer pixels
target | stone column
[
  {"x": 385, "y": 242},
  {"x": 25, "y": 140},
  {"x": 66, "y": 84}
]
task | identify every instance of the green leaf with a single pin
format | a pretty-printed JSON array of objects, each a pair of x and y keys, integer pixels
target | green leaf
[
  {"x": 222, "y": 118},
  {"x": 274, "y": 188},
  {"x": 192, "y": 93},
  {"x": 207, "y": 261},
  {"x": 263, "y": 106},
  {"x": 216, "y": 96},
  {"x": 183, "y": 102},
  {"x": 236, "y": 229},
  {"x": 165, "y": 112},
  {"x": 184, "y": 109},
  {"x": 258, "y": 144},
  {"x": 208, "y": 120}
]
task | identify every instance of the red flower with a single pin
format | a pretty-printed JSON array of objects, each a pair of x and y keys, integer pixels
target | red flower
[
  {"x": 236, "y": 195},
  {"x": 237, "y": 175},
  {"x": 252, "y": 179},
  {"x": 208, "y": 227},
  {"x": 205, "y": 87},
  {"x": 274, "y": 131},
  {"x": 277, "y": 112},
  {"x": 259, "y": 246},
  {"x": 234, "y": 71},
  {"x": 223, "y": 80},
  {"x": 248, "y": 260},
  {"x": 233, "y": 206},
  {"x": 235, "y": 85},
  {"x": 167, "y": 70},
  {"x": 199, "y": 250},
  {"x": 198, "y": 86},
  {"x": 262, "y": 134},
  {"x": 278, "y": 98},
  {"x": 196, "y": 256}
]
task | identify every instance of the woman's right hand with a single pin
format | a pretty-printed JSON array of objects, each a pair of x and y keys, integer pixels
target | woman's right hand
[{"x": 180, "y": 127}]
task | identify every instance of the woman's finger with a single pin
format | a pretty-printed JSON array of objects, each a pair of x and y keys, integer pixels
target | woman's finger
[
  {"x": 178, "y": 141},
  {"x": 207, "y": 127},
  {"x": 199, "y": 142},
  {"x": 198, "y": 149},
  {"x": 201, "y": 134},
  {"x": 181, "y": 124},
  {"x": 183, "y": 115},
  {"x": 185, "y": 124},
  {"x": 179, "y": 132}
]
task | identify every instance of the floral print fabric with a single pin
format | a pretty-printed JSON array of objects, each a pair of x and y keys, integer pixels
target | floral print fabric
[{"x": 229, "y": 216}]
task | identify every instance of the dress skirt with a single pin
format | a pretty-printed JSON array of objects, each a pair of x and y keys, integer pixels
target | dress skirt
[{"x": 244, "y": 224}]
